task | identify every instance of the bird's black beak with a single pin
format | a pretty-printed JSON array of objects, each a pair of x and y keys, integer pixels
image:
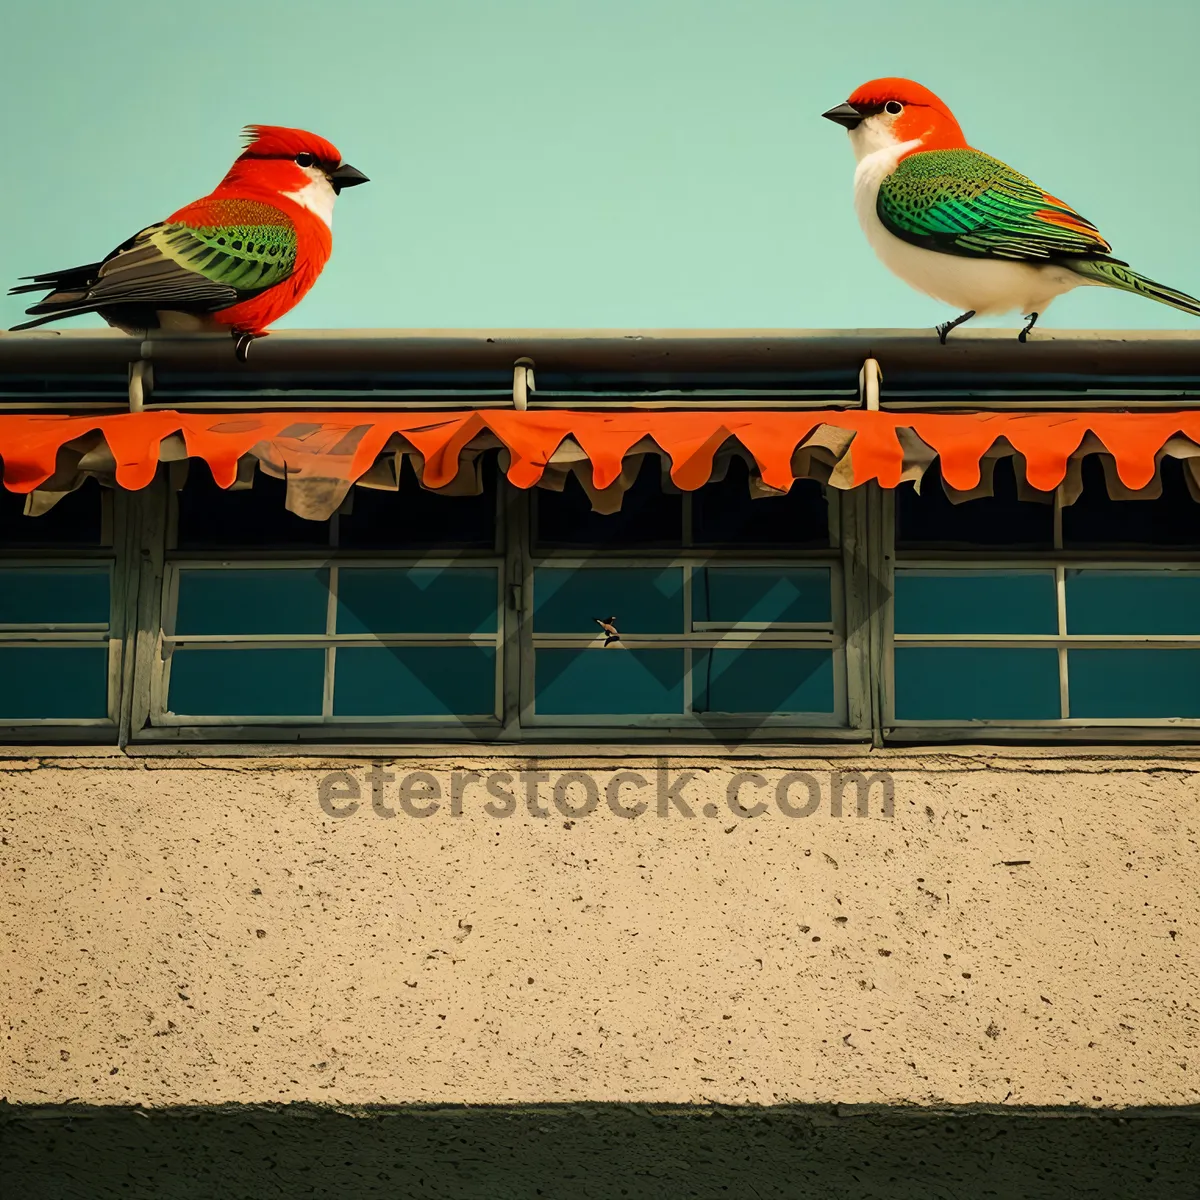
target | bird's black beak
[
  {"x": 845, "y": 114},
  {"x": 346, "y": 176}
]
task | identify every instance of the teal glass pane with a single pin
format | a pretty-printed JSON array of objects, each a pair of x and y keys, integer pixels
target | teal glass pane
[
  {"x": 247, "y": 683},
  {"x": 1134, "y": 683},
  {"x": 608, "y": 682},
  {"x": 975, "y": 602},
  {"x": 761, "y": 594},
  {"x": 245, "y": 602},
  {"x": 1133, "y": 602},
  {"x": 762, "y": 681},
  {"x": 643, "y": 599},
  {"x": 415, "y": 681},
  {"x": 417, "y": 600},
  {"x": 53, "y": 682},
  {"x": 963, "y": 683},
  {"x": 54, "y": 596}
]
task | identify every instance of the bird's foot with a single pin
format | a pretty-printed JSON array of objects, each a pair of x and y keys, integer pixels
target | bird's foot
[
  {"x": 1030, "y": 322},
  {"x": 242, "y": 340},
  {"x": 946, "y": 326}
]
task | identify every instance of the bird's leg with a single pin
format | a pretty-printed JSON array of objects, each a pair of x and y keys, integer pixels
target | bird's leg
[
  {"x": 242, "y": 340},
  {"x": 1030, "y": 322},
  {"x": 946, "y": 326}
]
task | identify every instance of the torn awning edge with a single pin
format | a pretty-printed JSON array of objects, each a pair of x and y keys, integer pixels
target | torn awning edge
[
  {"x": 321, "y": 455},
  {"x": 317, "y": 494}
]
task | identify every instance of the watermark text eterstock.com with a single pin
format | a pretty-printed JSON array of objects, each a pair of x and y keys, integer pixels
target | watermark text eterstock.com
[{"x": 658, "y": 793}]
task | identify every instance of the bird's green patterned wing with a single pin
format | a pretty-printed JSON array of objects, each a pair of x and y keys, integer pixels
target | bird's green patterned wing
[
  {"x": 211, "y": 254},
  {"x": 967, "y": 203}
]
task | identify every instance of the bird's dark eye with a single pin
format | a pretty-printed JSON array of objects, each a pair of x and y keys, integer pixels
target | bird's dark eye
[
  {"x": 894, "y": 107},
  {"x": 305, "y": 159}
]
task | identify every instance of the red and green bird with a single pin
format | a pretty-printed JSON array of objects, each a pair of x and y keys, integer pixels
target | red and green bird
[
  {"x": 236, "y": 260},
  {"x": 962, "y": 226}
]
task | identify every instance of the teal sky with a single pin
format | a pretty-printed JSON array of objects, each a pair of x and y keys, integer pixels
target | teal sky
[{"x": 625, "y": 163}]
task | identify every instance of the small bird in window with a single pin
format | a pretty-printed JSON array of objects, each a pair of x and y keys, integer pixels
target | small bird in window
[{"x": 609, "y": 625}]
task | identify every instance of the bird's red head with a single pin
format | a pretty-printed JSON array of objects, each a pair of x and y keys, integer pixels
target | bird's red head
[
  {"x": 911, "y": 110},
  {"x": 285, "y": 160},
  {"x": 279, "y": 142}
]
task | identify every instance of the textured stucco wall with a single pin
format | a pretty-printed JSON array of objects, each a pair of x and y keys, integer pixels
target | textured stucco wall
[{"x": 203, "y": 931}]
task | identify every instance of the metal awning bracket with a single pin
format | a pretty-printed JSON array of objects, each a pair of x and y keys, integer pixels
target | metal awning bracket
[
  {"x": 869, "y": 380},
  {"x": 141, "y": 379},
  {"x": 522, "y": 383}
]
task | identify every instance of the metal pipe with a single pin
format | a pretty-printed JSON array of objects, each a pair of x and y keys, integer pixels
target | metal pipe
[{"x": 671, "y": 353}]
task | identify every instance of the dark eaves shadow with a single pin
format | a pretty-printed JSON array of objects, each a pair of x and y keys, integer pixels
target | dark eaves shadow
[{"x": 598, "y": 1151}]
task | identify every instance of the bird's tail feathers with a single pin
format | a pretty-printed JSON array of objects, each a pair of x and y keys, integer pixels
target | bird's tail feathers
[
  {"x": 67, "y": 291},
  {"x": 1113, "y": 273},
  {"x": 48, "y": 311},
  {"x": 57, "y": 315},
  {"x": 28, "y": 287},
  {"x": 67, "y": 280}
]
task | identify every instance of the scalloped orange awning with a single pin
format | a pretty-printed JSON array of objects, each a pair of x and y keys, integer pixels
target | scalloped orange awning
[{"x": 340, "y": 448}]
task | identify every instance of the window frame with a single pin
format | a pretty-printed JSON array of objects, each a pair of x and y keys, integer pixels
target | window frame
[
  {"x": 153, "y": 723},
  {"x": 516, "y": 561},
  {"x": 329, "y": 641},
  {"x": 109, "y": 553},
  {"x": 141, "y": 565},
  {"x": 1060, "y": 560},
  {"x": 846, "y": 557},
  {"x": 828, "y": 635}
]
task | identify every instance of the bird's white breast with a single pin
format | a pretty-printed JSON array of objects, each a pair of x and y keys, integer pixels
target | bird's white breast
[
  {"x": 317, "y": 196},
  {"x": 988, "y": 286}
]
